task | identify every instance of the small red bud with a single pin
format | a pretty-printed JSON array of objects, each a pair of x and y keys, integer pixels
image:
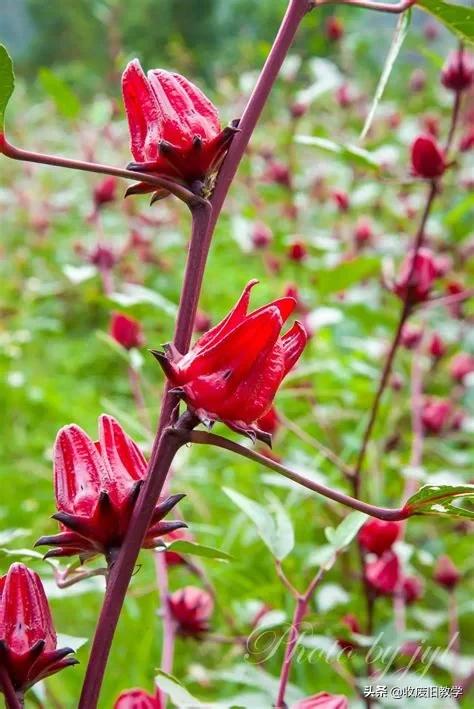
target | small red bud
[
  {"x": 411, "y": 336},
  {"x": 461, "y": 365},
  {"x": 298, "y": 109},
  {"x": 105, "y": 191},
  {"x": 457, "y": 73},
  {"x": 430, "y": 30},
  {"x": 202, "y": 322},
  {"x": 446, "y": 574},
  {"x": 467, "y": 141},
  {"x": 191, "y": 608},
  {"x": 297, "y": 251},
  {"x": 436, "y": 415},
  {"x": 343, "y": 96},
  {"x": 436, "y": 348},
  {"x": 412, "y": 589},
  {"x": 262, "y": 235},
  {"x": 383, "y": 574},
  {"x": 363, "y": 232},
  {"x": 334, "y": 29},
  {"x": 414, "y": 281},
  {"x": 427, "y": 158},
  {"x": 126, "y": 331},
  {"x": 431, "y": 125},
  {"x": 417, "y": 80},
  {"x": 378, "y": 536},
  {"x": 341, "y": 199}
]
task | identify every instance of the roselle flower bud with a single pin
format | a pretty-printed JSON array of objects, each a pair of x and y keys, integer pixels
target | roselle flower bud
[
  {"x": 334, "y": 29},
  {"x": 431, "y": 125},
  {"x": 344, "y": 96},
  {"x": 414, "y": 282},
  {"x": 105, "y": 192},
  {"x": 457, "y": 73},
  {"x": 278, "y": 173},
  {"x": 298, "y": 109},
  {"x": 137, "y": 699},
  {"x": 323, "y": 700},
  {"x": 412, "y": 589},
  {"x": 352, "y": 624},
  {"x": 455, "y": 288},
  {"x": 126, "y": 331},
  {"x": 102, "y": 257},
  {"x": 191, "y": 608},
  {"x": 461, "y": 365},
  {"x": 378, "y": 536},
  {"x": 436, "y": 414},
  {"x": 202, "y": 322},
  {"x": 233, "y": 371},
  {"x": 436, "y": 348},
  {"x": 427, "y": 158},
  {"x": 467, "y": 141},
  {"x": 262, "y": 235},
  {"x": 270, "y": 422},
  {"x": 341, "y": 200},
  {"x": 363, "y": 233},
  {"x": 396, "y": 382},
  {"x": 297, "y": 251},
  {"x": 431, "y": 30},
  {"x": 417, "y": 80},
  {"x": 28, "y": 642},
  {"x": 383, "y": 574},
  {"x": 446, "y": 574},
  {"x": 174, "y": 129},
  {"x": 96, "y": 486},
  {"x": 411, "y": 336}
]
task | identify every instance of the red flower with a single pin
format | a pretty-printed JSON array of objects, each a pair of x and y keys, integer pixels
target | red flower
[
  {"x": 457, "y": 73},
  {"x": 411, "y": 336},
  {"x": 364, "y": 232},
  {"x": 341, "y": 200},
  {"x": 174, "y": 129},
  {"x": 436, "y": 414},
  {"x": 137, "y": 699},
  {"x": 278, "y": 173},
  {"x": 461, "y": 365},
  {"x": 96, "y": 486},
  {"x": 323, "y": 700},
  {"x": 126, "y": 331},
  {"x": 191, "y": 608},
  {"x": 334, "y": 29},
  {"x": 378, "y": 536},
  {"x": 103, "y": 257},
  {"x": 427, "y": 158},
  {"x": 412, "y": 589},
  {"x": 414, "y": 281},
  {"x": 233, "y": 371},
  {"x": 383, "y": 574},
  {"x": 446, "y": 574},
  {"x": 28, "y": 642},
  {"x": 437, "y": 348},
  {"x": 105, "y": 191},
  {"x": 297, "y": 251},
  {"x": 261, "y": 235}
]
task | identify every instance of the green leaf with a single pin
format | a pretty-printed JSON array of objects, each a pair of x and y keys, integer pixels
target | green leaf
[
  {"x": 351, "y": 154},
  {"x": 66, "y": 101},
  {"x": 134, "y": 294},
  {"x": 457, "y": 18},
  {"x": 346, "y": 274},
  {"x": 179, "y": 695},
  {"x": 276, "y": 532},
  {"x": 436, "y": 500},
  {"x": 183, "y": 546},
  {"x": 398, "y": 38},
  {"x": 7, "y": 83},
  {"x": 347, "y": 530}
]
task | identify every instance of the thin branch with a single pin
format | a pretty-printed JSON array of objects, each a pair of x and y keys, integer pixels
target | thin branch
[
  {"x": 169, "y": 626},
  {"x": 366, "y": 4},
  {"x": 212, "y": 439},
  {"x": 11, "y": 698}
]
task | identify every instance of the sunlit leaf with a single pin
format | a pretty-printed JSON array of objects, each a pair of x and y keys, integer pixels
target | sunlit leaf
[
  {"x": 183, "y": 546},
  {"x": 66, "y": 101},
  {"x": 179, "y": 695},
  {"x": 457, "y": 18},
  {"x": 346, "y": 274},
  {"x": 351, "y": 154},
  {"x": 437, "y": 500},
  {"x": 7, "y": 83}
]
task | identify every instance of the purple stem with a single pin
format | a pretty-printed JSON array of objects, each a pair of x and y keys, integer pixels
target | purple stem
[
  {"x": 11, "y": 698},
  {"x": 169, "y": 627},
  {"x": 212, "y": 439},
  {"x": 165, "y": 446}
]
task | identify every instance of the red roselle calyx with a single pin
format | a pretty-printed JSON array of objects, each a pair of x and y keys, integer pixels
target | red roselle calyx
[
  {"x": 416, "y": 276},
  {"x": 126, "y": 331},
  {"x": 457, "y": 73},
  {"x": 262, "y": 235},
  {"x": 28, "y": 642},
  {"x": 427, "y": 158},
  {"x": 174, "y": 129},
  {"x": 446, "y": 574},
  {"x": 105, "y": 191},
  {"x": 137, "y": 699},
  {"x": 461, "y": 365},
  {"x": 341, "y": 199},
  {"x": 96, "y": 486},
  {"x": 233, "y": 371},
  {"x": 437, "y": 347},
  {"x": 334, "y": 29},
  {"x": 436, "y": 415},
  {"x": 191, "y": 608},
  {"x": 297, "y": 251},
  {"x": 412, "y": 589},
  {"x": 411, "y": 336},
  {"x": 322, "y": 700},
  {"x": 383, "y": 574},
  {"x": 378, "y": 536},
  {"x": 270, "y": 422}
]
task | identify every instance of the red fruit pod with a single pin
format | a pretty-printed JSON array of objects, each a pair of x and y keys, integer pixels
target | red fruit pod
[
  {"x": 461, "y": 366},
  {"x": 28, "y": 641},
  {"x": 457, "y": 73},
  {"x": 103, "y": 257},
  {"x": 363, "y": 233},
  {"x": 378, "y": 536},
  {"x": 191, "y": 609},
  {"x": 446, "y": 574},
  {"x": 416, "y": 276},
  {"x": 126, "y": 331},
  {"x": 341, "y": 199},
  {"x": 412, "y": 589},
  {"x": 322, "y": 700},
  {"x": 137, "y": 699},
  {"x": 261, "y": 236},
  {"x": 437, "y": 347},
  {"x": 427, "y": 158},
  {"x": 334, "y": 29},
  {"x": 411, "y": 336},
  {"x": 297, "y": 251},
  {"x": 436, "y": 415},
  {"x": 383, "y": 574},
  {"x": 106, "y": 191}
]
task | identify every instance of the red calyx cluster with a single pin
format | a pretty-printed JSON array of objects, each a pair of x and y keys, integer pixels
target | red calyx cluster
[
  {"x": 191, "y": 608},
  {"x": 457, "y": 73},
  {"x": 126, "y": 331},
  {"x": 446, "y": 574},
  {"x": 427, "y": 158},
  {"x": 416, "y": 277},
  {"x": 96, "y": 486},
  {"x": 28, "y": 642},
  {"x": 378, "y": 536},
  {"x": 233, "y": 371},
  {"x": 137, "y": 699},
  {"x": 174, "y": 129}
]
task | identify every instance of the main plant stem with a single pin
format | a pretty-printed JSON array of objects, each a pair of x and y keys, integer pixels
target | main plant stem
[
  {"x": 11, "y": 698},
  {"x": 165, "y": 445}
]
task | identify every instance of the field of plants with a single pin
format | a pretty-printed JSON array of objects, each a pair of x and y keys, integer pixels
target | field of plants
[{"x": 274, "y": 593}]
